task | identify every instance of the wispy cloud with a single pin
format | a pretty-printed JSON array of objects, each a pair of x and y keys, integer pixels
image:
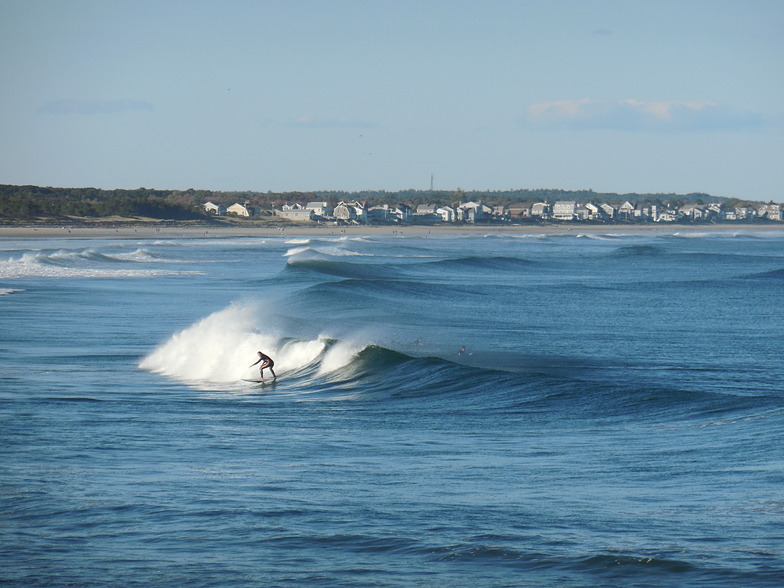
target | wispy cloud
[
  {"x": 92, "y": 106},
  {"x": 316, "y": 122},
  {"x": 639, "y": 115}
]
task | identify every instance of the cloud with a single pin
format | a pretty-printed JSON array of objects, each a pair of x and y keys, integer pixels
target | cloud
[
  {"x": 315, "y": 122},
  {"x": 639, "y": 115},
  {"x": 90, "y": 107}
]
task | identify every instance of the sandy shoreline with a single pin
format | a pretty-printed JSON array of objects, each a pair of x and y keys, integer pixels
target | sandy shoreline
[{"x": 152, "y": 231}]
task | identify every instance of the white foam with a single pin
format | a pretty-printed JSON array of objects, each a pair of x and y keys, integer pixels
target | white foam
[
  {"x": 339, "y": 355},
  {"x": 82, "y": 263},
  {"x": 221, "y": 348}
]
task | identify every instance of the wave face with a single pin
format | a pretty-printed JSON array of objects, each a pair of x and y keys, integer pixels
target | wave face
[{"x": 578, "y": 410}]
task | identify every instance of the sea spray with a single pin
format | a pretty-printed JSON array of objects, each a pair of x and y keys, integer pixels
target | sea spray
[{"x": 221, "y": 347}]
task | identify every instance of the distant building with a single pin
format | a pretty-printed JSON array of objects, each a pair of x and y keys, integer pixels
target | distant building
[
  {"x": 241, "y": 209},
  {"x": 350, "y": 212},
  {"x": 447, "y": 214},
  {"x": 216, "y": 209},
  {"x": 320, "y": 209},
  {"x": 540, "y": 210},
  {"x": 474, "y": 212},
  {"x": 379, "y": 214},
  {"x": 295, "y": 212},
  {"x": 564, "y": 210}
]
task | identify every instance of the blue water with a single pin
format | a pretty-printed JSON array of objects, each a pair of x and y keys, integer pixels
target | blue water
[{"x": 616, "y": 418}]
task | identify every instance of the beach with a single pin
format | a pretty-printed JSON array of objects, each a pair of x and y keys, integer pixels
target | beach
[{"x": 144, "y": 230}]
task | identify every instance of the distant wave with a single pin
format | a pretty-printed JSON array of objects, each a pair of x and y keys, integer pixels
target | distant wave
[
  {"x": 331, "y": 267},
  {"x": 476, "y": 262},
  {"x": 638, "y": 251},
  {"x": 63, "y": 263}
]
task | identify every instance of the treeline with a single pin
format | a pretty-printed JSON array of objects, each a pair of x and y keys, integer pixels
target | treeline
[{"x": 24, "y": 202}]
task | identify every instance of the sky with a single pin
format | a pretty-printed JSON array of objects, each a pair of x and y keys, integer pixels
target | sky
[{"x": 304, "y": 95}]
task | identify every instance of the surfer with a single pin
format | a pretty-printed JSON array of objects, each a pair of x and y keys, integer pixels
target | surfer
[{"x": 266, "y": 362}]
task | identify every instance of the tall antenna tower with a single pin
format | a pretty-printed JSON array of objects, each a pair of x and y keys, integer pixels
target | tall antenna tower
[{"x": 431, "y": 182}]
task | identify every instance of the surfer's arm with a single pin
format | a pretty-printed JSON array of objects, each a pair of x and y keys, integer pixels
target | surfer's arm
[{"x": 251, "y": 365}]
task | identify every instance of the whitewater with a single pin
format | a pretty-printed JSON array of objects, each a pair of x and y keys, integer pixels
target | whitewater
[{"x": 578, "y": 409}]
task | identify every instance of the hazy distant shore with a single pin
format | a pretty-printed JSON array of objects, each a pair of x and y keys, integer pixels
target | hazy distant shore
[{"x": 148, "y": 231}]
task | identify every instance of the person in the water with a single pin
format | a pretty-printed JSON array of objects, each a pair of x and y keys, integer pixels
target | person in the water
[{"x": 266, "y": 362}]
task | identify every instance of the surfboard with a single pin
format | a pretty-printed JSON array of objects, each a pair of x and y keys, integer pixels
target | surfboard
[{"x": 256, "y": 381}]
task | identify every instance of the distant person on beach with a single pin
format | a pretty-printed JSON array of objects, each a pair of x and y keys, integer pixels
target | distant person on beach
[{"x": 266, "y": 362}]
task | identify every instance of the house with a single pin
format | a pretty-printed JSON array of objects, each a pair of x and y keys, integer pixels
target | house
[
  {"x": 426, "y": 214},
  {"x": 241, "y": 209},
  {"x": 626, "y": 210},
  {"x": 401, "y": 213},
  {"x": 500, "y": 213},
  {"x": 447, "y": 214},
  {"x": 295, "y": 212},
  {"x": 643, "y": 211},
  {"x": 320, "y": 210},
  {"x": 519, "y": 212},
  {"x": 769, "y": 211},
  {"x": 474, "y": 211},
  {"x": 594, "y": 212},
  {"x": 666, "y": 215},
  {"x": 379, "y": 214},
  {"x": 692, "y": 211},
  {"x": 540, "y": 210},
  {"x": 350, "y": 212},
  {"x": 609, "y": 210},
  {"x": 216, "y": 209},
  {"x": 564, "y": 210}
]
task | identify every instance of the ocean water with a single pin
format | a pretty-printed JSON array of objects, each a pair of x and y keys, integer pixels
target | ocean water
[{"x": 497, "y": 410}]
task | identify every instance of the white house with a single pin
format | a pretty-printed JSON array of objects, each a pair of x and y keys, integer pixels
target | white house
[
  {"x": 564, "y": 210},
  {"x": 626, "y": 210},
  {"x": 540, "y": 209},
  {"x": 447, "y": 214},
  {"x": 666, "y": 215},
  {"x": 401, "y": 212},
  {"x": 320, "y": 209},
  {"x": 769, "y": 211},
  {"x": 216, "y": 209},
  {"x": 693, "y": 211},
  {"x": 475, "y": 211}
]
